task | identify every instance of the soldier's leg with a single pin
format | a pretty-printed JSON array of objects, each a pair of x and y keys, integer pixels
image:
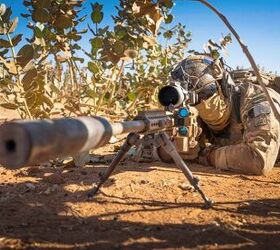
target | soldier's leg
[{"x": 259, "y": 151}]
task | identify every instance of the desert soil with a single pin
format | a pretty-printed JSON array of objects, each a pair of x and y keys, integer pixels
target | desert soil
[{"x": 142, "y": 206}]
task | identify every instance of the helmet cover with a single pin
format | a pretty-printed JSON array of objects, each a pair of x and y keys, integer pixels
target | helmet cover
[{"x": 196, "y": 71}]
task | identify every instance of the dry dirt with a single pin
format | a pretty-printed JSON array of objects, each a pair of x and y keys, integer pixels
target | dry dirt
[{"x": 142, "y": 206}]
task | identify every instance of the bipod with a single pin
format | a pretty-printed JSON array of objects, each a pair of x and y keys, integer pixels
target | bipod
[
  {"x": 131, "y": 140},
  {"x": 161, "y": 140}
]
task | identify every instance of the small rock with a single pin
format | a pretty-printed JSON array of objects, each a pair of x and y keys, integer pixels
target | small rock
[
  {"x": 69, "y": 164},
  {"x": 148, "y": 229},
  {"x": 97, "y": 159},
  {"x": 47, "y": 164},
  {"x": 33, "y": 171},
  {"x": 243, "y": 221},
  {"x": 113, "y": 140},
  {"x": 48, "y": 191},
  {"x": 30, "y": 186},
  {"x": 238, "y": 223},
  {"x": 215, "y": 223},
  {"x": 51, "y": 189},
  {"x": 66, "y": 171},
  {"x": 54, "y": 179},
  {"x": 144, "y": 182},
  {"x": 186, "y": 187}
]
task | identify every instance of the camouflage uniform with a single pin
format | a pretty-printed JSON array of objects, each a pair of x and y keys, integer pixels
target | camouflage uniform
[
  {"x": 252, "y": 144},
  {"x": 242, "y": 128}
]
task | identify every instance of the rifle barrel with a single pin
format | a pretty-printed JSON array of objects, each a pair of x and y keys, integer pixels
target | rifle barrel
[{"x": 31, "y": 142}]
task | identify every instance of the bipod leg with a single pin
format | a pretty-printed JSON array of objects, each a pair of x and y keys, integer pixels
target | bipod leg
[
  {"x": 164, "y": 141},
  {"x": 131, "y": 140}
]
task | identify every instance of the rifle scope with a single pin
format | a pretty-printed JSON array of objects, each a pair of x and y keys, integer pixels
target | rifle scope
[{"x": 171, "y": 94}]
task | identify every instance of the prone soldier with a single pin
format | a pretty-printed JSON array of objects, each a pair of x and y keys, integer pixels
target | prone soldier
[{"x": 239, "y": 122}]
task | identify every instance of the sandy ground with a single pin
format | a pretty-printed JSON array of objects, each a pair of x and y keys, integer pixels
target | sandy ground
[{"x": 142, "y": 206}]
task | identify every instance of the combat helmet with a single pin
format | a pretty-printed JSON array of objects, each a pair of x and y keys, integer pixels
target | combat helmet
[
  {"x": 199, "y": 73},
  {"x": 198, "y": 70},
  {"x": 205, "y": 77}
]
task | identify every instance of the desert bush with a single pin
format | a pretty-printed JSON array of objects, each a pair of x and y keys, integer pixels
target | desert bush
[{"x": 119, "y": 75}]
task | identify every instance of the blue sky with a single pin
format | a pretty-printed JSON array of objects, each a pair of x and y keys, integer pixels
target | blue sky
[{"x": 257, "y": 22}]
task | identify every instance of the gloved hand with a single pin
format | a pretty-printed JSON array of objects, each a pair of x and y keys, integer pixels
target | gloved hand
[{"x": 206, "y": 156}]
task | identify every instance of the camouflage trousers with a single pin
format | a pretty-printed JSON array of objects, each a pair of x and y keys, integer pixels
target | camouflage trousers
[{"x": 258, "y": 151}]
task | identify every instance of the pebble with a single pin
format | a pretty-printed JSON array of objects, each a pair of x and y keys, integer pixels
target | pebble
[
  {"x": 51, "y": 189},
  {"x": 113, "y": 140},
  {"x": 33, "y": 171},
  {"x": 54, "y": 179},
  {"x": 46, "y": 164},
  {"x": 144, "y": 182},
  {"x": 215, "y": 223},
  {"x": 30, "y": 186},
  {"x": 148, "y": 229},
  {"x": 186, "y": 187},
  {"x": 243, "y": 221}
]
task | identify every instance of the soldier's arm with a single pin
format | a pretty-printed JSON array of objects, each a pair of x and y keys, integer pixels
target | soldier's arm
[{"x": 258, "y": 151}]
